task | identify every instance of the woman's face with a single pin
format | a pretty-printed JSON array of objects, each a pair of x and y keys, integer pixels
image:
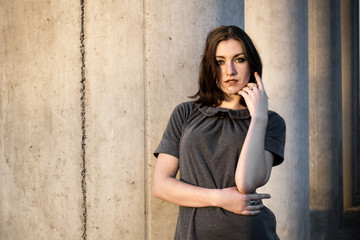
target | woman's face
[{"x": 233, "y": 65}]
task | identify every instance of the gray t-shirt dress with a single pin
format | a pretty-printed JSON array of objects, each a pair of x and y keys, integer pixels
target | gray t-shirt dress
[{"x": 207, "y": 141}]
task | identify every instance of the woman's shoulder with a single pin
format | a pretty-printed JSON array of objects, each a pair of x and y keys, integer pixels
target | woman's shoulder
[
  {"x": 184, "y": 110},
  {"x": 188, "y": 104},
  {"x": 274, "y": 115},
  {"x": 275, "y": 119},
  {"x": 186, "y": 107}
]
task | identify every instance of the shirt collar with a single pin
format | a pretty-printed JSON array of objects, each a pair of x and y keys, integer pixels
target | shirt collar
[{"x": 234, "y": 114}]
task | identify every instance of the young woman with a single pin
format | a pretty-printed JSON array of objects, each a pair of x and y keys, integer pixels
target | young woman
[{"x": 224, "y": 143}]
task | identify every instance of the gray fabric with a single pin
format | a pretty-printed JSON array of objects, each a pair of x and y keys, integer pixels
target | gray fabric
[{"x": 207, "y": 141}]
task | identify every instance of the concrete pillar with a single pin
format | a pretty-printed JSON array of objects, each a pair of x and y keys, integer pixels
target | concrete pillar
[
  {"x": 114, "y": 100},
  {"x": 175, "y": 33},
  {"x": 325, "y": 118},
  {"x": 279, "y": 30},
  {"x": 349, "y": 42},
  {"x": 40, "y": 124},
  {"x": 84, "y": 87}
]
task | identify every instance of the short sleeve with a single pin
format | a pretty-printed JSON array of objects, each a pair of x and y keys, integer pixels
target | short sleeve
[
  {"x": 171, "y": 138},
  {"x": 275, "y": 137}
]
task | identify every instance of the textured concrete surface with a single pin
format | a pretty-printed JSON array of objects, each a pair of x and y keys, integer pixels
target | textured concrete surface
[
  {"x": 346, "y": 65},
  {"x": 81, "y": 116},
  {"x": 279, "y": 29},
  {"x": 114, "y": 119},
  {"x": 325, "y": 118},
  {"x": 40, "y": 125},
  {"x": 348, "y": 23},
  {"x": 175, "y": 37}
]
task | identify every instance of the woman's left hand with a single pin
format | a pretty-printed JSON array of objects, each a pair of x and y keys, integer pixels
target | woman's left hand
[{"x": 256, "y": 98}]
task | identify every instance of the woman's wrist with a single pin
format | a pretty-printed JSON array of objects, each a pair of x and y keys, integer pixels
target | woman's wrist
[
  {"x": 215, "y": 198},
  {"x": 260, "y": 118},
  {"x": 259, "y": 123}
]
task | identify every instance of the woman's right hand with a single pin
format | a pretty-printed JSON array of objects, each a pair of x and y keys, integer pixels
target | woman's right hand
[{"x": 234, "y": 201}]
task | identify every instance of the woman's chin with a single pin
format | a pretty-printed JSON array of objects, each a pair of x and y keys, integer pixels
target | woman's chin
[{"x": 234, "y": 93}]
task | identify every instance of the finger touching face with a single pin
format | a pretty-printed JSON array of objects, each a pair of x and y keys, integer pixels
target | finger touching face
[{"x": 258, "y": 80}]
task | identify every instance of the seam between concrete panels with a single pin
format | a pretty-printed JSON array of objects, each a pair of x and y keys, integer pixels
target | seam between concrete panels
[{"x": 83, "y": 121}]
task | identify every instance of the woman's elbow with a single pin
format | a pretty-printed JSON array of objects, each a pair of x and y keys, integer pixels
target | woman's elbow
[
  {"x": 248, "y": 187},
  {"x": 156, "y": 190},
  {"x": 245, "y": 189},
  {"x": 160, "y": 187}
]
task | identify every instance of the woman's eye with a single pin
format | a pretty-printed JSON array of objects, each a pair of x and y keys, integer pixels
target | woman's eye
[
  {"x": 240, "y": 60},
  {"x": 219, "y": 62}
]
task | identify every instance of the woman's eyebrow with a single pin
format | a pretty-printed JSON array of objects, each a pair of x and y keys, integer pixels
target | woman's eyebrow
[{"x": 236, "y": 55}]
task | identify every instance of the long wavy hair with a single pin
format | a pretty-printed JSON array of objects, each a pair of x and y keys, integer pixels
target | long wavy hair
[{"x": 209, "y": 93}]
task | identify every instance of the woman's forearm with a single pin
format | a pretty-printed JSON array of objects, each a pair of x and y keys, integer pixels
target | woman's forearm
[
  {"x": 184, "y": 194},
  {"x": 166, "y": 187},
  {"x": 254, "y": 167},
  {"x": 172, "y": 190}
]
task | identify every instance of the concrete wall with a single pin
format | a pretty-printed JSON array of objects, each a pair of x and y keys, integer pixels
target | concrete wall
[
  {"x": 325, "y": 118},
  {"x": 40, "y": 124},
  {"x": 350, "y": 81},
  {"x": 80, "y": 115},
  {"x": 174, "y": 40},
  {"x": 279, "y": 29},
  {"x": 114, "y": 119},
  {"x": 347, "y": 86}
]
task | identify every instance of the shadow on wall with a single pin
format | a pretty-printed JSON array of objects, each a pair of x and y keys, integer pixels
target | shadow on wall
[{"x": 322, "y": 219}]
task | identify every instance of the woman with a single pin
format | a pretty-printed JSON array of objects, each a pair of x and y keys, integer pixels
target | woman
[{"x": 224, "y": 144}]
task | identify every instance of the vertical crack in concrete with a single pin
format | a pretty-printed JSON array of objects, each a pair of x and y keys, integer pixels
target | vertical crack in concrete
[
  {"x": 83, "y": 121},
  {"x": 146, "y": 73}
]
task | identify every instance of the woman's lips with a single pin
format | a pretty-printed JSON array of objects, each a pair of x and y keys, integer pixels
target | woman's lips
[{"x": 231, "y": 81}]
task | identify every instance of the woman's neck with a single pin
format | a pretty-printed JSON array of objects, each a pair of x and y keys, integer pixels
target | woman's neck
[{"x": 233, "y": 103}]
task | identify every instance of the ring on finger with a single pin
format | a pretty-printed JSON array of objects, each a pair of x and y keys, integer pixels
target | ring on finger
[
  {"x": 252, "y": 203},
  {"x": 252, "y": 86}
]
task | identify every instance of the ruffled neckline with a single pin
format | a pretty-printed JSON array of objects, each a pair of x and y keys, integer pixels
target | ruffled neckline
[{"x": 217, "y": 111}]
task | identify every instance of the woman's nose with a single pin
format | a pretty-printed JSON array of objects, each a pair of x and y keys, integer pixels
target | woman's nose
[{"x": 230, "y": 69}]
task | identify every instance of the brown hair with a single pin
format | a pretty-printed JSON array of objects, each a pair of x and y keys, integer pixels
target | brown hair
[{"x": 209, "y": 94}]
